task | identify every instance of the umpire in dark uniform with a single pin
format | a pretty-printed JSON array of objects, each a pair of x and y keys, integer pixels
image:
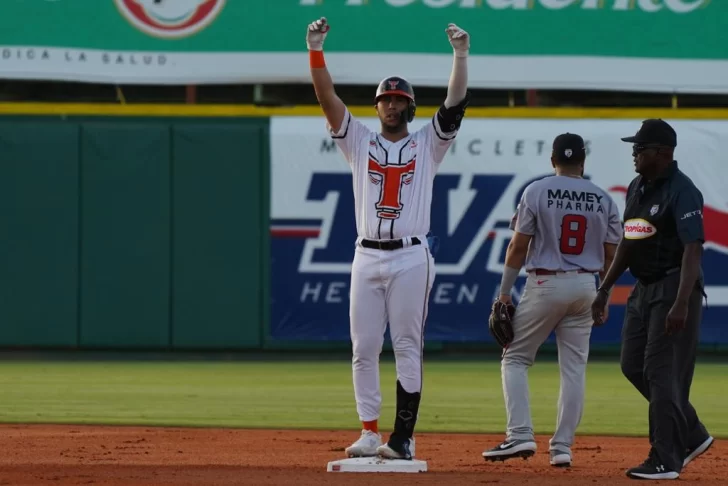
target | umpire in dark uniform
[{"x": 662, "y": 247}]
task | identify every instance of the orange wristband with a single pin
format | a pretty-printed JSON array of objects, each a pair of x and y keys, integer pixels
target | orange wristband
[{"x": 316, "y": 59}]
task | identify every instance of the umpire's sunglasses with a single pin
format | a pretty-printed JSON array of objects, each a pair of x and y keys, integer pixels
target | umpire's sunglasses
[{"x": 641, "y": 147}]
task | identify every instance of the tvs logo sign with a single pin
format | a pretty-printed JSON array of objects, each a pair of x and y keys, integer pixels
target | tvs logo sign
[{"x": 170, "y": 19}]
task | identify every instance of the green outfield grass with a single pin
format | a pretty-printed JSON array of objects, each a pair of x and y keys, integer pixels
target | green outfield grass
[{"x": 458, "y": 396}]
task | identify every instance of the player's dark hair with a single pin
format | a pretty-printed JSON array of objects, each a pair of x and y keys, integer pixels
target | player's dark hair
[{"x": 572, "y": 162}]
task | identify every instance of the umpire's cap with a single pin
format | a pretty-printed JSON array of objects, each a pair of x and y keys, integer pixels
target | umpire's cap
[
  {"x": 569, "y": 148},
  {"x": 654, "y": 130}
]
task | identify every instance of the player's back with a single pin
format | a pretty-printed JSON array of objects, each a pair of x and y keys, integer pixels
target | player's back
[{"x": 573, "y": 219}]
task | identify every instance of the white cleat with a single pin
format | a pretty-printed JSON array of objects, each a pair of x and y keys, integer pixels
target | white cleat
[
  {"x": 407, "y": 451},
  {"x": 559, "y": 459},
  {"x": 366, "y": 445}
]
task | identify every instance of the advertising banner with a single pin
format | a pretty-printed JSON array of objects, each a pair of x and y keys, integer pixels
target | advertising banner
[
  {"x": 642, "y": 45},
  {"x": 475, "y": 196}
]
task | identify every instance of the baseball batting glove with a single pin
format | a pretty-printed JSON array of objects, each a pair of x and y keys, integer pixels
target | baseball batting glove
[
  {"x": 500, "y": 322},
  {"x": 459, "y": 39},
  {"x": 316, "y": 34}
]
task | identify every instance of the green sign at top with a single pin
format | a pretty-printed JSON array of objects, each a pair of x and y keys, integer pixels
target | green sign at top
[
  {"x": 652, "y": 45},
  {"x": 630, "y": 28}
]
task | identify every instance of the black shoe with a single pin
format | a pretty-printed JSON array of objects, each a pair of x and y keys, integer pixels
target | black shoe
[
  {"x": 510, "y": 449},
  {"x": 694, "y": 452},
  {"x": 652, "y": 468}
]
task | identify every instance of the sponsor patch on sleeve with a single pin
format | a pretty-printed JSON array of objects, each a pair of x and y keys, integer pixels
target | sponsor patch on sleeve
[{"x": 638, "y": 229}]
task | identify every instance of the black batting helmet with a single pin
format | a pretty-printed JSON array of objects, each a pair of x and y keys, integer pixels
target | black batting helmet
[{"x": 394, "y": 85}]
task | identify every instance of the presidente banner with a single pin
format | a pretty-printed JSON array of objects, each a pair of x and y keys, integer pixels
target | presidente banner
[
  {"x": 644, "y": 45},
  {"x": 475, "y": 195}
]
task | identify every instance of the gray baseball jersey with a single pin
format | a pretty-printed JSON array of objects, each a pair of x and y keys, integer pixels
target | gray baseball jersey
[{"x": 570, "y": 219}]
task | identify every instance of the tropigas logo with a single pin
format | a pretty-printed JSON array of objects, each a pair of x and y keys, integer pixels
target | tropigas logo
[
  {"x": 676, "y": 6},
  {"x": 638, "y": 229},
  {"x": 170, "y": 19}
]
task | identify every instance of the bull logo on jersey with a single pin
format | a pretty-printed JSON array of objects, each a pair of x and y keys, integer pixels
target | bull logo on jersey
[{"x": 391, "y": 178}]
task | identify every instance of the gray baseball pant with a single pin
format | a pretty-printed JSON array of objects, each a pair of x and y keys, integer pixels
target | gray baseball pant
[{"x": 560, "y": 303}]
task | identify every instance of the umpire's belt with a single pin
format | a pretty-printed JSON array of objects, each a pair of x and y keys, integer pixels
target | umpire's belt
[
  {"x": 387, "y": 244},
  {"x": 650, "y": 279}
]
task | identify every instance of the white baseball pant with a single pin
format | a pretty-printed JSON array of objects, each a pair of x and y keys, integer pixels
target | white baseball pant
[{"x": 388, "y": 286}]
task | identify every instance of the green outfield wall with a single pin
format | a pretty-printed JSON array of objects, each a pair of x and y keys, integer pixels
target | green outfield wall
[{"x": 133, "y": 232}]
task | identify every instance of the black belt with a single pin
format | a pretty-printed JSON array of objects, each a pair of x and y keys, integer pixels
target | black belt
[
  {"x": 387, "y": 244},
  {"x": 654, "y": 279},
  {"x": 650, "y": 279},
  {"x": 542, "y": 271}
]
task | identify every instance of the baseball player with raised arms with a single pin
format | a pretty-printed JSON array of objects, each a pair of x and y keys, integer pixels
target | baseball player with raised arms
[
  {"x": 393, "y": 270},
  {"x": 566, "y": 231}
]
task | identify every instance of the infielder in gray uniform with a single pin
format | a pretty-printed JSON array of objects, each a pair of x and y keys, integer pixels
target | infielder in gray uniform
[{"x": 566, "y": 231}]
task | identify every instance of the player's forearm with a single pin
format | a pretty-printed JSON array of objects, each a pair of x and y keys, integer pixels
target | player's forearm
[
  {"x": 515, "y": 258},
  {"x": 458, "y": 85},
  {"x": 323, "y": 85}
]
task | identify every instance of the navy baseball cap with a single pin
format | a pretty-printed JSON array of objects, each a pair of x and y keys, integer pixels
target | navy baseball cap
[
  {"x": 654, "y": 130},
  {"x": 569, "y": 147}
]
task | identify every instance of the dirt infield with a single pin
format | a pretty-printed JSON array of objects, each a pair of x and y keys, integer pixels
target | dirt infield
[{"x": 141, "y": 456}]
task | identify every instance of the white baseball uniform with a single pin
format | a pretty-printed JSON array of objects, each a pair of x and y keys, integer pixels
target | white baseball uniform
[
  {"x": 569, "y": 219},
  {"x": 392, "y": 183}
]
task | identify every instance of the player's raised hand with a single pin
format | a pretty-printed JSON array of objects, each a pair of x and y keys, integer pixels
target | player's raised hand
[
  {"x": 459, "y": 39},
  {"x": 316, "y": 33}
]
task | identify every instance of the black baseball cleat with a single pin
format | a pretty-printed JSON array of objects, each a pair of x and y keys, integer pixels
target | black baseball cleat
[
  {"x": 694, "y": 452},
  {"x": 510, "y": 449},
  {"x": 398, "y": 449},
  {"x": 652, "y": 468}
]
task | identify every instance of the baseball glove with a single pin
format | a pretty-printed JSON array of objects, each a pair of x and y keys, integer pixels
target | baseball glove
[{"x": 500, "y": 322}]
